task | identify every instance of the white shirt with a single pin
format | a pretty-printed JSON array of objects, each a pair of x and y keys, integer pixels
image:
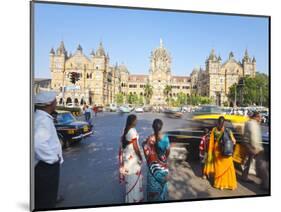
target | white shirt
[
  {"x": 253, "y": 134},
  {"x": 47, "y": 146}
]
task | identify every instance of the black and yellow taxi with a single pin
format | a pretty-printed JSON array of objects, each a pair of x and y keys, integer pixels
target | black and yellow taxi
[
  {"x": 70, "y": 129},
  {"x": 187, "y": 140}
]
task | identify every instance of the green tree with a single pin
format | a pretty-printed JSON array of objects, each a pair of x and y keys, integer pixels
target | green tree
[
  {"x": 254, "y": 90},
  {"x": 197, "y": 99},
  {"x": 132, "y": 98},
  {"x": 119, "y": 98},
  {"x": 135, "y": 99},
  {"x": 167, "y": 93},
  {"x": 140, "y": 100},
  {"x": 181, "y": 98},
  {"x": 148, "y": 92}
]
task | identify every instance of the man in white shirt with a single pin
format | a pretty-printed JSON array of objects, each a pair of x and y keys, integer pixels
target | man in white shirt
[
  {"x": 255, "y": 150},
  {"x": 47, "y": 151}
]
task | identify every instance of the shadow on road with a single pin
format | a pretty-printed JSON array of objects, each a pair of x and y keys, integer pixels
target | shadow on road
[{"x": 184, "y": 184}]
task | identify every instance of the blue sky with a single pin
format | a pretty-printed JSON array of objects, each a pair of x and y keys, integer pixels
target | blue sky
[{"x": 129, "y": 36}]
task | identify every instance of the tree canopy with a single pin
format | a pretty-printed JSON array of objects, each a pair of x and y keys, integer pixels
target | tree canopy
[{"x": 253, "y": 91}]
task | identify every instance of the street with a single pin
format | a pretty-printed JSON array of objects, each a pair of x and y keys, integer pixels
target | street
[{"x": 89, "y": 174}]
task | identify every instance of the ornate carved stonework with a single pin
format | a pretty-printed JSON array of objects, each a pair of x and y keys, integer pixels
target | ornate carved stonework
[{"x": 160, "y": 73}]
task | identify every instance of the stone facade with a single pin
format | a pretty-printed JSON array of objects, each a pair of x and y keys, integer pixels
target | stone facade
[
  {"x": 100, "y": 82},
  {"x": 218, "y": 77}
]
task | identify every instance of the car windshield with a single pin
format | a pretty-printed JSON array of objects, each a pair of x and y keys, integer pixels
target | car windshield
[
  {"x": 210, "y": 109},
  {"x": 65, "y": 118}
]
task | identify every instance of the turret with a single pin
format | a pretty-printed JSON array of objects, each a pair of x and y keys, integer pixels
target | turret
[
  {"x": 51, "y": 56},
  {"x": 231, "y": 56},
  {"x": 100, "y": 51},
  {"x": 246, "y": 57},
  {"x": 61, "y": 50},
  {"x": 79, "y": 49},
  {"x": 249, "y": 66},
  {"x": 213, "y": 62}
]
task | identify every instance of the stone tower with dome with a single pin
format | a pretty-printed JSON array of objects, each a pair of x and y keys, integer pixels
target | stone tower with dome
[{"x": 159, "y": 73}]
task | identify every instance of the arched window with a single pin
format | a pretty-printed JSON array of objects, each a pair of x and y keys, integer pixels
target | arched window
[
  {"x": 61, "y": 101},
  {"x": 76, "y": 101},
  {"x": 68, "y": 100}
]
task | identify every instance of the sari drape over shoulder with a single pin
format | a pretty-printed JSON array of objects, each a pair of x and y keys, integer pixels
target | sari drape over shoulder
[
  {"x": 156, "y": 157},
  {"x": 221, "y": 167},
  {"x": 132, "y": 165}
]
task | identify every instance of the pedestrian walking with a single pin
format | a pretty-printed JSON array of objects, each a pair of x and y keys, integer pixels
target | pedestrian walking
[
  {"x": 130, "y": 162},
  {"x": 218, "y": 164},
  {"x": 95, "y": 109},
  {"x": 157, "y": 150},
  {"x": 203, "y": 150},
  {"x": 253, "y": 143},
  {"x": 87, "y": 113},
  {"x": 47, "y": 151}
]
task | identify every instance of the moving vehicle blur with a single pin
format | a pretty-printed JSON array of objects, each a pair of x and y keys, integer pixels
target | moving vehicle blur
[
  {"x": 187, "y": 140},
  {"x": 174, "y": 112}
]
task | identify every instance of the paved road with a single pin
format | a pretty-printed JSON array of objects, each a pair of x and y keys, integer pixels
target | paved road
[{"x": 89, "y": 175}]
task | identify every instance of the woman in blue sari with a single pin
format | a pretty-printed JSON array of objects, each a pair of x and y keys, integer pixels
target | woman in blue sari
[{"x": 156, "y": 150}]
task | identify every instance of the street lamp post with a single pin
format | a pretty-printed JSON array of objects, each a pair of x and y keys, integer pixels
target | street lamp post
[{"x": 235, "y": 96}]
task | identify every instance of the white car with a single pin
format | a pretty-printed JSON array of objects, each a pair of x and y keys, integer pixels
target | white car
[
  {"x": 111, "y": 107},
  {"x": 72, "y": 105},
  {"x": 139, "y": 110}
]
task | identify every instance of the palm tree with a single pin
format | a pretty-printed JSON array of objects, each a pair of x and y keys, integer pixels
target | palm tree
[
  {"x": 148, "y": 92},
  {"x": 167, "y": 93}
]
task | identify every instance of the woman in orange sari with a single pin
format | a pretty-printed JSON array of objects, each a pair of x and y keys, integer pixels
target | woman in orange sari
[{"x": 219, "y": 166}]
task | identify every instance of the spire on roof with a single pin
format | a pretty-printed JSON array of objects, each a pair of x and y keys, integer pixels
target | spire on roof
[
  {"x": 246, "y": 57},
  {"x": 212, "y": 55},
  {"x": 79, "y": 48},
  {"x": 61, "y": 49},
  {"x": 100, "y": 51},
  {"x": 231, "y": 55},
  {"x": 246, "y": 53},
  {"x": 161, "y": 43},
  {"x": 52, "y": 51}
]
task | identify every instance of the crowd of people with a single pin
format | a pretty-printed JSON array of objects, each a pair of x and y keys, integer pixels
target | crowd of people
[
  {"x": 216, "y": 149},
  {"x": 219, "y": 168}
]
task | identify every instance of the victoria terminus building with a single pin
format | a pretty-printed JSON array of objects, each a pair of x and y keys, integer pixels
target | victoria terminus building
[{"x": 100, "y": 82}]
